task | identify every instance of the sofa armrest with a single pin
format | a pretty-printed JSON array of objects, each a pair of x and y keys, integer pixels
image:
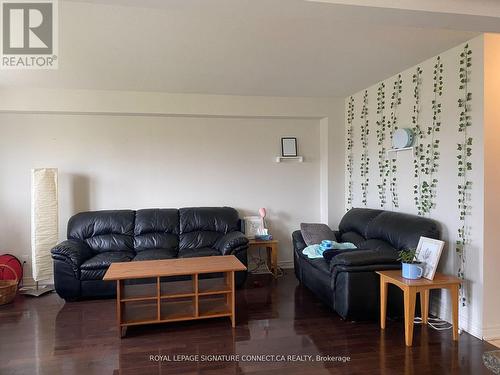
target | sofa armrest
[
  {"x": 73, "y": 252},
  {"x": 231, "y": 243},
  {"x": 363, "y": 258},
  {"x": 298, "y": 241}
]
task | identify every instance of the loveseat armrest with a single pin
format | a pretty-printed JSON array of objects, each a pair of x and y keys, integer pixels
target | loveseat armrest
[
  {"x": 74, "y": 252},
  {"x": 298, "y": 241},
  {"x": 363, "y": 258},
  {"x": 231, "y": 243}
]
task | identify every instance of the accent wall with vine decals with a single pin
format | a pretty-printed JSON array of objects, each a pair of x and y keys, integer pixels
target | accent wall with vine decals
[
  {"x": 365, "y": 159},
  {"x": 349, "y": 146},
  {"x": 383, "y": 162},
  {"x": 464, "y": 163}
]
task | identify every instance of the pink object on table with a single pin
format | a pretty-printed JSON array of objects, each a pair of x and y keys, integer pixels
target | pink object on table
[{"x": 262, "y": 212}]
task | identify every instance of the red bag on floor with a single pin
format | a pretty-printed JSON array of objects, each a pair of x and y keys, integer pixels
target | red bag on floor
[{"x": 15, "y": 264}]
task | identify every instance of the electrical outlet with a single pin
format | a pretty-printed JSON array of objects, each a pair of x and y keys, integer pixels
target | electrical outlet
[{"x": 25, "y": 258}]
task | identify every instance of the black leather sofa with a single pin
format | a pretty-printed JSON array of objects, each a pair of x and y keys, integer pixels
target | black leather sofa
[
  {"x": 97, "y": 239},
  {"x": 348, "y": 283}
]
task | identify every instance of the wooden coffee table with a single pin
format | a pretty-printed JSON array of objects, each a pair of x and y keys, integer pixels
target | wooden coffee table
[{"x": 164, "y": 300}]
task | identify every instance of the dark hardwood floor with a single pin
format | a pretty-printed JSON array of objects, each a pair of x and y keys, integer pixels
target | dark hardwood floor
[{"x": 47, "y": 336}]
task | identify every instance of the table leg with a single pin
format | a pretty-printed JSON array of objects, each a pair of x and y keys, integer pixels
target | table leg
[
  {"x": 269, "y": 252},
  {"x": 119, "y": 308},
  {"x": 233, "y": 304},
  {"x": 383, "y": 301},
  {"x": 409, "y": 296},
  {"x": 274, "y": 260},
  {"x": 424, "y": 305},
  {"x": 454, "y": 309}
]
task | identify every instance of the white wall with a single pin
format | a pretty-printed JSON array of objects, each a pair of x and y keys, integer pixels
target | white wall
[
  {"x": 137, "y": 150},
  {"x": 491, "y": 258},
  {"x": 446, "y": 211}
]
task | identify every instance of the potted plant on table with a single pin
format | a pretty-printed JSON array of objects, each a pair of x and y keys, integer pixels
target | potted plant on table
[{"x": 412, "y": 268}]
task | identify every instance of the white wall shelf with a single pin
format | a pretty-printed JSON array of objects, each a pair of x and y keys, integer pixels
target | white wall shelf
[
  {"x": 280, "y": 159},
  {"x": 412, "y": 148}
]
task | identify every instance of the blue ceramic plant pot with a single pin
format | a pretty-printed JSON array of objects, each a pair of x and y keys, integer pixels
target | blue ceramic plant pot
[{"x": 412, "y": 271}]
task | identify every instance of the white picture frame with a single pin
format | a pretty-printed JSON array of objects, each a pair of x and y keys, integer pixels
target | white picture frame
[
  {"x": 428, "y": 253},
  {"x": 254, "y": 225},
  {"x": 288, "y": 147}
]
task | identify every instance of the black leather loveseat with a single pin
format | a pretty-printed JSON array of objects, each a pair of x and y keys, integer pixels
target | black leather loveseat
[
  {"x": 97, "y": 239},
  {"x": 348, "y": 282}
]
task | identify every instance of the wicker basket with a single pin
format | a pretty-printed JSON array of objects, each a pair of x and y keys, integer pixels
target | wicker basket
[{"x": 8, "y": 288}]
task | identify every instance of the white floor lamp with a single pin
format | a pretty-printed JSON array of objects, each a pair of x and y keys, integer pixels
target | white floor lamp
[{"x": 44, "y": 228}]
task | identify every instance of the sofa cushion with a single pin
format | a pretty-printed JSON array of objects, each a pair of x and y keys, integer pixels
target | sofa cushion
[
  {"x": 103, "y": 260},
  {"x": 201, "y": 252},
  {"x": 156, "y": 229},
  {"x": 104, "y": 231},
  {"x": 199, "y": 239},
  {"x": 377, "y": 245},
  {"x": 402, "y": 231},
  {"x": 352, "y": 237},
  {"x": 357, "y": 220},
  {"x": 155, "y": 254},
  {"x": 314, "y": 233},
  {"x": 210, "y": 219},
  {"x": 96, "y": 274}
]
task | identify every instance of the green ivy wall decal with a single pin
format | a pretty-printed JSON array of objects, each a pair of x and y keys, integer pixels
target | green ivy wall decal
[
  {"x": 349, "y": 145},
  {"x": 464, "y": 164},
  {"x": 365, "y": 159},
  {"x": 419, "y": 163},
  {"x": 383, "y": 162},
  {"x": 395, "y": 102},
  {"x": 432, "y": 154},
  {"x": 426, "y": 163}
]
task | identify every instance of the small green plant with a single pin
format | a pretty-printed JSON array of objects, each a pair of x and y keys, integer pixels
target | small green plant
[{"x": 408, "y": 256}]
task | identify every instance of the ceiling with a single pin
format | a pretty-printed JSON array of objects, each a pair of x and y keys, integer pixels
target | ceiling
[{"x": 242, "y": 47}]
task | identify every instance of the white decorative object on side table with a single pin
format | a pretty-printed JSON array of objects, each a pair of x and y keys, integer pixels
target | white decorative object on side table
[{"x": 428, "y": 252}]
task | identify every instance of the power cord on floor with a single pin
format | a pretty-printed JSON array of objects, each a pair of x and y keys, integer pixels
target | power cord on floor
[{"x": 435, "y": 323}]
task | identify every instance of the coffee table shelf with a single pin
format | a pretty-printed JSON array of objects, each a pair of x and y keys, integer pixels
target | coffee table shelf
[
  {"x": 139, "y": 292},
  {"x": 136, "y": 312},
  {"x": 214, "y": 307},
  {"x": 213, "y": 286},
  {"x": 178, "y": 309},
  {"x": 169, "y": 301}
]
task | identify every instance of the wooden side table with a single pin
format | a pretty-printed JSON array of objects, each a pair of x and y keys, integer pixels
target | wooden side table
[
  {"x": 272, "y": 253},
  {"x": 410, "y": 289}
]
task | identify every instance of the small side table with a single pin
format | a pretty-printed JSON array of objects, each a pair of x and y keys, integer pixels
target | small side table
[
  {"x": 272, "y": 253},
  {"x": 410, "y": 289}
]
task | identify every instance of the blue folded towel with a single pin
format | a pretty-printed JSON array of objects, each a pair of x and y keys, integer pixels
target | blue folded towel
[{"x": 316, "y": 251}]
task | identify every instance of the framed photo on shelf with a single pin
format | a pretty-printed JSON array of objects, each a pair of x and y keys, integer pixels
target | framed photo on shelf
[
  {"x": 288, "y": 146},
  {"x": 428, "y": 253},
  {"x": 254, "y": 225}
]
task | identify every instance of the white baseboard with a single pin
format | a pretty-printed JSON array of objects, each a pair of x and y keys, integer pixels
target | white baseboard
[{"x": 288, "y": 264}]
